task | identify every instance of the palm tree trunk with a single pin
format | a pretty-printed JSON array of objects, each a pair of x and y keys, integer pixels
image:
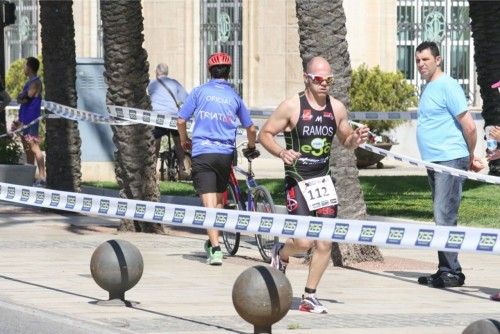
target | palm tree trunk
[
  {"x": 322, "y": 32},
  {"x": 62, "y": 140},
  {"x": 485, "y": 27},
  {"x": 127, "y": 78}
]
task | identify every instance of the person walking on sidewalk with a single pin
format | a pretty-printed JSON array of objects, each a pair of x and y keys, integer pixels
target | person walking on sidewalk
[
  {"x": 309, "y": 121},
  {"x": 216, "y": 108},
  {"x": 167, "y": 96},
  {"x": 30, "y": 100},
  {"x": 446, "y": 135}
]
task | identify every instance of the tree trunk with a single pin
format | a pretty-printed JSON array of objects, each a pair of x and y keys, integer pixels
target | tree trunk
[
  {"x": 322, "y": 32},
  {"x": 485, "y": 26},
  {"x": 62, "y": 139},
  {"x": 127, "y": 78}
]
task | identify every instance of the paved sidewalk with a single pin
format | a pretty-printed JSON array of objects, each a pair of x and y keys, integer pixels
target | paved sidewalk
[{"x": 44, "y": 273}]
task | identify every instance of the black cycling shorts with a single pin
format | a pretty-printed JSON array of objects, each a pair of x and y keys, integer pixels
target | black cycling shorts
[
  {"x": 296, "y": 203},
  {"x": 210, "y": 172},
  {"x": 159, "y": 132}
]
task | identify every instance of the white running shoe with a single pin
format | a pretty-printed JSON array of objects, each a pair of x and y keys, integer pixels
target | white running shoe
[{"x": 312, "y": 304}]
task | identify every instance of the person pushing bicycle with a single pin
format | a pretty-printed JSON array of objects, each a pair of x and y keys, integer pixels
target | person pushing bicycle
[{"x": 216, "y": 109}]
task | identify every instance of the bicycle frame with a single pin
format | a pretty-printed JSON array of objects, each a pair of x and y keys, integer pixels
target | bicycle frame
[{"x": 250, "y": 181}]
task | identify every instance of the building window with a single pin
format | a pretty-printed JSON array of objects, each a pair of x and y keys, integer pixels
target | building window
[
  {"x": 221, "y": 31},
  {"x": 21, "y": 38},
  {"x": 445, "y": 22}
]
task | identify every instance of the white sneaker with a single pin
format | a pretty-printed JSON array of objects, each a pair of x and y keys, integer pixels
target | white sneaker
[{"x": 312, "y": 304}]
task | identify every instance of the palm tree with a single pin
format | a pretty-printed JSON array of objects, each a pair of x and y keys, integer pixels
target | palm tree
[
  {"x": 127, "y": 78},
  {"x": 322, "y": 32},
  {"x": 485, "y": 28},
  {"x": 62, "y": 136}
]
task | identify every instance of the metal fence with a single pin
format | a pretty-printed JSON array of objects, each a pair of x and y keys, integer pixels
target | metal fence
[
  {"x": 21, "y": 38},
  {"x": 221, "y": 30}
]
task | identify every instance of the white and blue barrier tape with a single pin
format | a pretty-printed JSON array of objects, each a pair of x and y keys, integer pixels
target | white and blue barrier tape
[
  {"x": 399, "y": 235},
  {"x": 394, "y": 115},
  {"x": 11, "y": 133},
  {"x": 127, "y": 116},
  {"x": 121, "y": 116},
  {"x": 153, "y": 118},
  {"x": 369, "y": 115},
  {"x": 432, "y": 166}
]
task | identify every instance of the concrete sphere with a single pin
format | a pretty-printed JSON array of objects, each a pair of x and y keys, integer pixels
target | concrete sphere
[
  {"x": 483, "y": 326},
  {"x": 116, "y": 266},
  {"x": 262, "y": 295}
]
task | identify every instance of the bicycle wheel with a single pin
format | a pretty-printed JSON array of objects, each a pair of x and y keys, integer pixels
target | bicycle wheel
[
  {"x": 263, "y": 202},
  {"x": 231, "y": 240}
]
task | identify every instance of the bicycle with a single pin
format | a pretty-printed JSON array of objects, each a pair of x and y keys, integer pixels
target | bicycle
[
  {"x": 169, "y": 158},
  {"x": 257, "y": 199}
]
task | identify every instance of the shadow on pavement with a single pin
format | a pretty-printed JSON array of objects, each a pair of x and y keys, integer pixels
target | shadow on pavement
[
  {"x": 94, "y": 300},
  {"x": 404, "y": 276}
]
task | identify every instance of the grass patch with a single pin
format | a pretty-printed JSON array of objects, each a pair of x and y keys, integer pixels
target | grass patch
[{"x": 394, "y": 196}]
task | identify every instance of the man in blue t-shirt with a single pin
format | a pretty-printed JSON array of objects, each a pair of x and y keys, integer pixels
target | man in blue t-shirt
[
  {"x": 216, "y": 109},
  {"x": 446, "y": 135},
  {"x": 167, "y": 95}
]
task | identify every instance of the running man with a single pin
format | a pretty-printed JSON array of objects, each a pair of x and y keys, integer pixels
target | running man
[{"x": 309, "y": 121}]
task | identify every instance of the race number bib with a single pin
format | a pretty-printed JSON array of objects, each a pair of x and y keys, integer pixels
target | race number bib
[{"x": 319, "y": 192}]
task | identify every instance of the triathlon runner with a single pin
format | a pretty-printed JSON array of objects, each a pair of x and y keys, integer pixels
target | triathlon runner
[{"x": 309, "y": 121}]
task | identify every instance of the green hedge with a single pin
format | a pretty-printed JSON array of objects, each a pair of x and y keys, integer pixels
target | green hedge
[{"x": 377, "y": 90}]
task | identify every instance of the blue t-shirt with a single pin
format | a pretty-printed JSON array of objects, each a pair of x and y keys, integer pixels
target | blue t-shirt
[
  {"x": 439, "y": 134},
  {"x": 161, "y": 99},
  {"x": 216, "y": 108}
]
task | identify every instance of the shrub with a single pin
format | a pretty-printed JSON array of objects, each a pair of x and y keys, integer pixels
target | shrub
[
  {"x": 376, "y": 90},
  {"x": 10, "y": 151}
]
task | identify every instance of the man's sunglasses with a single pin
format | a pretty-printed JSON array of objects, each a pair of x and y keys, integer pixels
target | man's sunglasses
[{"x": 318, "y": 79}]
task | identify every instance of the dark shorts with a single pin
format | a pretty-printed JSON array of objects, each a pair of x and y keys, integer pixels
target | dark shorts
[
  {"x": 160, "y": 132},
  {"x": 210, "y": 172},
  {"x": 30, "y": 134},
  {"x": 296, "y": 203}
]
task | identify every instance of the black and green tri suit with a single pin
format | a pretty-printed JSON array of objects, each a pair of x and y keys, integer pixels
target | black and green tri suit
[{"x": 312, "y": 137}]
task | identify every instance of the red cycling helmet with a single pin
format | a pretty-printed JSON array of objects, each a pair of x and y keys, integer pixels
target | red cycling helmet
[{"x": 219, "y": 58}]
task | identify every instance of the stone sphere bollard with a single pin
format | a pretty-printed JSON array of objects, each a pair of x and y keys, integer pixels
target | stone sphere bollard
[
  {"x": 116, "y": 266},
  {"x": 483, "y": 326},
  {"x": 262, "y": 296}
]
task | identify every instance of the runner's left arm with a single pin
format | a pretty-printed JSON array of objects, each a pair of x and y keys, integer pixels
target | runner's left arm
[{"x": 347, "y": 136}]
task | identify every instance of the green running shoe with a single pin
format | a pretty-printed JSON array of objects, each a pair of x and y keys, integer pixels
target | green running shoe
[{"x": 215, "y": 259}]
